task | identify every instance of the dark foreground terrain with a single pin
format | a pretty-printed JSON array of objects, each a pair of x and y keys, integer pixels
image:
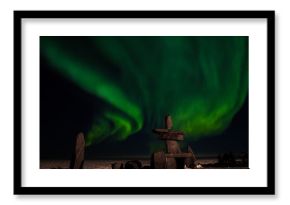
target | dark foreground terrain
[{"x": 107, "y": 164}]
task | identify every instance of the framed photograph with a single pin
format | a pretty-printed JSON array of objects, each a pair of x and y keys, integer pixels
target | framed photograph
[{"x": 144, "y": 102}]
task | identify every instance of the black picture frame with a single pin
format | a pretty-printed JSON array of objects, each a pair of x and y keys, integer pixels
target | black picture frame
[{"x": 269, "y": 189}]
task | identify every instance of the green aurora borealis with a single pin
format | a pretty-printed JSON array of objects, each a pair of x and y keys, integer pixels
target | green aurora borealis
[{"x": 202, "y": 82}]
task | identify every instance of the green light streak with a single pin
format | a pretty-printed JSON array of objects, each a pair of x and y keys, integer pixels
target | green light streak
[{"x": 201, "y": 81}]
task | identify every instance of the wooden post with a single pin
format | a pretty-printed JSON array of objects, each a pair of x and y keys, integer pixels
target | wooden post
[{"x": 78, "y": 157}]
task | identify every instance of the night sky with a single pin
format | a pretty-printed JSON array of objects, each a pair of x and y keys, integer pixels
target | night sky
[{"x": 117, "y": 89}]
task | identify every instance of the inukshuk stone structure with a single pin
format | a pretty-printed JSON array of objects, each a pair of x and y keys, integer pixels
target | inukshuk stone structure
[
  {"x": 174, "y": 158},
  {"x": 78, "y": 157}
]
